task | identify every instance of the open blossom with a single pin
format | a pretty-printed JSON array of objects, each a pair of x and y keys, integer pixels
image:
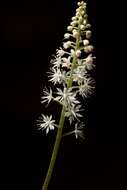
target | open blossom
[
  {"x": 56, "y": 62},
  {"x": 66, "y": 62},
  {"x": 60, "y": 52},
  {"x": 46, "y": 123},
  {"x": 87, "y": 87},
  {"x": 72, "y": 112},
  {"x": 47, "y": 96},
  {"x": 79, "y": 74},
  {"x": 57, "y": 76},
  {"x": 66, "y": 97},
  {"x": 79, "y": 130},
  {"x": 89, "y": 62}
]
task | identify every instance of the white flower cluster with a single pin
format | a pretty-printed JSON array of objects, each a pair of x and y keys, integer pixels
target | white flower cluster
[{"x": 69, "y": 70}]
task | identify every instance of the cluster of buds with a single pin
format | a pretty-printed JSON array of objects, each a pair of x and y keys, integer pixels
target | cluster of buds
[{"x": 69, "y": 72}]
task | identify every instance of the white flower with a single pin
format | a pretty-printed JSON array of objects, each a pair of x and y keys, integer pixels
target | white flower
[
  {"x": 79, "y": 131},
  {"x": 89, "y": 62},
  {"x": 47, "y": 96},
  {"x": 60, "y": 52},
  {"x": 89, "y": 59},
  {"x": 79, "y": 74},
  {"x": 57, "y": 61},
  {"x": 72, "y": 112},
  {"x": 66, "y": 97},
  {"x": 87, "y": 87},
  {"x": 66, "y": 62},
  {"x": 57, "y": 76},
  {"x": 47, "y": 123}
]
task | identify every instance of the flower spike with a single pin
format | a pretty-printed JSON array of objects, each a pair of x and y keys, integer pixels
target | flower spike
[{"x": 71, "y": 80}]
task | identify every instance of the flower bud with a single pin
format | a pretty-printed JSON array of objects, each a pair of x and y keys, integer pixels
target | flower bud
[
  {"x": 69, "y": 43},
  {"x": 80, "y": 19},
  {"x": 74, "y": 30},
  {"x": 66, "y": 45},
  {"x": 72, "y": 52},
  {"x": 77, "y": 14},
  {"x": 88, "y": 26},
  {"x": 70, "y": 28},
  {"x": 84, "y": 22},
  {"x": 88, "y": 34},
  {"x": 60, "y": 52},
  {"x": 78, "y": 53},
  {"x": 82, "y": 2},
  {"x": 80, "y": 8},
  {"x": 73, "y": 18},
  {"x": 79, "y": 3},
  {"x": 75, "y": 33},
  {"x": 82, "y": 27},
  {"x": 85, "y": 42},
  {"x": 77, "y": 10},
  {"x": 88, "y": 49},
  {"x": 67, "y": 36},
  {"x": 82, "y": 13},
  {"x": 74, "y": 23}
]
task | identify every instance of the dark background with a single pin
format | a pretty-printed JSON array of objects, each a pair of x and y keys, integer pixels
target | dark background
[{"x": 30, "y": 32}]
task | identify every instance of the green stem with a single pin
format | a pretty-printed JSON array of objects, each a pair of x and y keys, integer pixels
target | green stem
[
  {"x": 69, "y": 133},
  {"x": 55, "y": 150}
]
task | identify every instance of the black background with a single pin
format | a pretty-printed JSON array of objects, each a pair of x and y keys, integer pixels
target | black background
[{"x": 30, "y": 32}]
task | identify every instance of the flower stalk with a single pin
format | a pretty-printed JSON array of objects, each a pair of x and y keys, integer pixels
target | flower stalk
[
  {"x": 55, "y": 150},
  {"x": 69, "y": 73}
]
